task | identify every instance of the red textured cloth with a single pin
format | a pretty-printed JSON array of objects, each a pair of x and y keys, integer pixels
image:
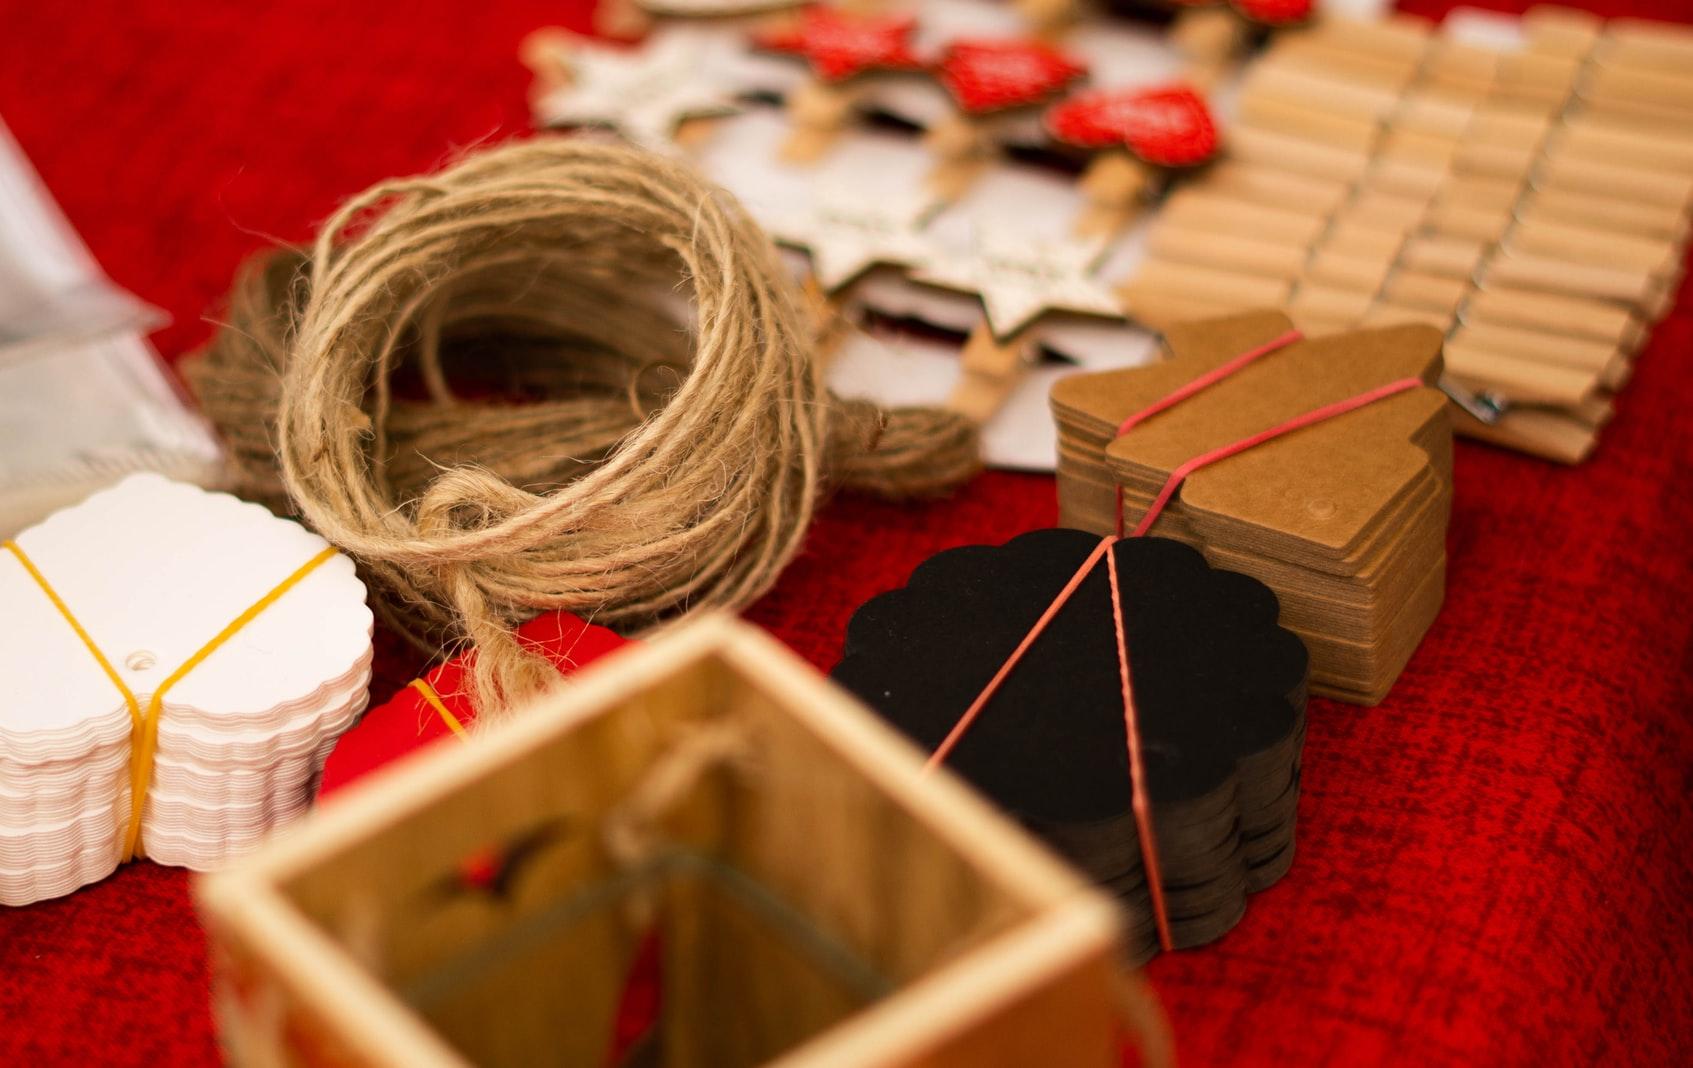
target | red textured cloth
[
  {"x": 1493, "y": 865},
  {"x": 407, "y": 722}
]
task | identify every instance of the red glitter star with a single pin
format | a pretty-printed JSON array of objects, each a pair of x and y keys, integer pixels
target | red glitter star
[
  {"x": 1166, "y": 125},
  {"x": 988, "y": 76},
  {"x": 839, "y": 45}
]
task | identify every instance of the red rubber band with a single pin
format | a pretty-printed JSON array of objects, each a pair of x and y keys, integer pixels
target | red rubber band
[
  {"x": 1316, "y": 415},
  {"x": 1204, "y": 381},
  {"x": 1209, "y": 378},
  {"x": 1137, "y": 771},
  {"x": 1142, "y": 804},
  {"x": 938, "y": 757}
]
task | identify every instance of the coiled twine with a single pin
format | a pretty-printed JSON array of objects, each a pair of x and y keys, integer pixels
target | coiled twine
[{"x": 645, "y": 430}]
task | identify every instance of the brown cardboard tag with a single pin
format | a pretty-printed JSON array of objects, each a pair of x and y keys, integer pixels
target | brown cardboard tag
[{"x": 1344, "y": 519}]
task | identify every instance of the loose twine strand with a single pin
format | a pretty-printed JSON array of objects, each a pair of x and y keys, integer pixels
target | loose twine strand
[{"x": 656, "y": 466}]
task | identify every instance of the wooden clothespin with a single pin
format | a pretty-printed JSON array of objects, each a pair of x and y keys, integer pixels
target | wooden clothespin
[
  {"x": 1517, "y": 198},
  {"x": 1049, "y": 20},
  {"x": 1211, "y": 34},
  {"x": 844, "y": 49},
  {"x": 989, "y": 81},
  {"x": 628, "y": 20},
  {"x": 649, "y": 94}
]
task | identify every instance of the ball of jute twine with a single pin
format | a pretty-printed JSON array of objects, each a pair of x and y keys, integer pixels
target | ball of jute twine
[{"x": 648, "y": 467}]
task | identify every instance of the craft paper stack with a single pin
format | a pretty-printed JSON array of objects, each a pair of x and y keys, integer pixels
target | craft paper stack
[
  {"x": 154, "y": 573},
  {"x": 1345, "y": 520},
  {"x": 1219, "y": 694}
]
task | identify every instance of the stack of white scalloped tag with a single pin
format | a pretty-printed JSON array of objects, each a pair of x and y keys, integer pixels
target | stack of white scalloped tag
[{"x": 153, "y": 571}]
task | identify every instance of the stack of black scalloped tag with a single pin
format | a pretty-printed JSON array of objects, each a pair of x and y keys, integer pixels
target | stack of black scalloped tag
[{"x": 1219, "y": 694}]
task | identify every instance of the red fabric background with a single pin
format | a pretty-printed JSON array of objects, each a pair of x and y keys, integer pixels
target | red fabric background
[
  {"x": 408, "y": 722},
  {"x": 1493, "y": 865}
]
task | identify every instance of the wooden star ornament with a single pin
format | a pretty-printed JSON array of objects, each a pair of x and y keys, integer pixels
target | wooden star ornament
[
  {"x": 644, "y": 94},
  {"x": 1020, "y": 279},
  {"x": 849, "y": 232}
]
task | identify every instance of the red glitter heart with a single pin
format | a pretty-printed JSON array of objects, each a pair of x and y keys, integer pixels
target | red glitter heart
[
  {"x": 839, "y": 45},
  {"x": 986, "y": 76},
  {"x": 1167, "y": 125},
  {"x": 1275, "y": 12}
]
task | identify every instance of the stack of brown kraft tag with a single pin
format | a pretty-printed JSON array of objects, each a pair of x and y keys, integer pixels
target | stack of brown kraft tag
[{"x": 1344, "y": 519}]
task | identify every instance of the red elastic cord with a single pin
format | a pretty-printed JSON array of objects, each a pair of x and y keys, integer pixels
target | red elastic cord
[
  {"x": 1209, "y": 378},
  {"x": 1204, "y": 381},
  {"x": 1137, "y": 771},
  {"x": 942, "y": 751},
  {"x": 1316, "y": 415},
  {"x": 1131, "y": 723}
]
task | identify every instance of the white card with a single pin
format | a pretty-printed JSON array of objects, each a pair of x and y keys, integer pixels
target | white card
[{"x": 152, "y": 571}]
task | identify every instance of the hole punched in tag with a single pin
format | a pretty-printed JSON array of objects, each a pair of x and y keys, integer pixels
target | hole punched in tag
[{"x": 140, "y": 660}]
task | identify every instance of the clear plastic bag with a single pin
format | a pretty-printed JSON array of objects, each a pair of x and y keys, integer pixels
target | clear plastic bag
[{"x": 84, "y": 398}]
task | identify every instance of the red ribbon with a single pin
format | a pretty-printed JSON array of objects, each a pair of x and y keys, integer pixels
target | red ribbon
[{"x": 1142, "y": 804}]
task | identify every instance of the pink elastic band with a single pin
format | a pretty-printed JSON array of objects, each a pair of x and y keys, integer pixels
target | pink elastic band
[
  {"x": 1137, "y": 771},
  {"x": 1316, "y": 415},
  {"x": 1131, "y": 722},
  {"x": 1209, "y": 378},
  {"x": 1204, "y": 381},
  {"x": 942, "y": 751},
  {"x": 1141, "y": 802}
]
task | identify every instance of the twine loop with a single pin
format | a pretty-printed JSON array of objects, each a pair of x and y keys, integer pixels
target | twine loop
[{"x": 558, "y": 275}]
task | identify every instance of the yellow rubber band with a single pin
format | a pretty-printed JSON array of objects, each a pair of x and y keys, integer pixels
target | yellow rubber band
[
  {"x": 144, "y": 733},
  {"x": 129, "y": 697},
  {"x": 440, "y": 707}
]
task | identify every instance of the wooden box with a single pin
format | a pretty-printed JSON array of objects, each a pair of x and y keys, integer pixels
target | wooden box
[{"x": 706, "y": 804}]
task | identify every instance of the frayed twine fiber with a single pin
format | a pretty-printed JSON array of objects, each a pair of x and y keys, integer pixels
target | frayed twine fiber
[{"x": 630, "y": 466}]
